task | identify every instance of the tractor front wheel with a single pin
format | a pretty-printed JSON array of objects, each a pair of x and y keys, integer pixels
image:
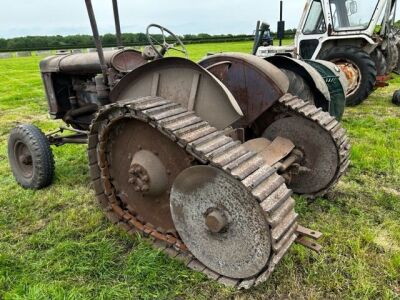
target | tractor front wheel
[
  {"x": 360, "y": 71},
  {"x": 30, "y": 157}
]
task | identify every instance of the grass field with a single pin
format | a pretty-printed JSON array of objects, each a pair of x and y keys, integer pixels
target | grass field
[{"x": 56, "y": 244}]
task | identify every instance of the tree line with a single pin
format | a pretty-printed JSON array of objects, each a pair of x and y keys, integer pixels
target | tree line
[{"x": 55, "y": 42}]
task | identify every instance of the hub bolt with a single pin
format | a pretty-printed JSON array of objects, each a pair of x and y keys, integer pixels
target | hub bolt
[{"x": 216, "y": 221}]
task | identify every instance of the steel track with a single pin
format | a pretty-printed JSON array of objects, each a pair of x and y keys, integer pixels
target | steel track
[
  {"x": 328, "y": 123},
  {"x": 209, "y": 147}
]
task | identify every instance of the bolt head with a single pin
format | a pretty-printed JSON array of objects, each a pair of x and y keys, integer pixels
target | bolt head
[{"x": 216, "y": 221}]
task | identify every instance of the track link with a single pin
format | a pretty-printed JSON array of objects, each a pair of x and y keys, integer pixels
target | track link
[
  {"x": 293, "y": 104},
  {"x": 208, "y": 146}
]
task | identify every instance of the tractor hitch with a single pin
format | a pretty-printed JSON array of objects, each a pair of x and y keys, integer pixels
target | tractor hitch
[
  {"x": 307, "y": 237},
  {"x": 78, "y": 137}
]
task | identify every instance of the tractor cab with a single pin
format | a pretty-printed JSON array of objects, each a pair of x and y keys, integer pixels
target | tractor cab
[
  {"x": 325, "y": 23},
  {"x": 357, "y": 36}
]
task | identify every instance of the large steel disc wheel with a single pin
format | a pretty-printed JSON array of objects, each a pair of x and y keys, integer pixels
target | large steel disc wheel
[
  {"x": 30, "y": 157},
  {"x": 143, "y": 165},
  {"x": 320, "y": 163},
  {"x": 220, "y": 222}
]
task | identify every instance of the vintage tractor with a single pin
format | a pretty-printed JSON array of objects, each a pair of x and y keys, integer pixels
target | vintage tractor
[
  {"x": 202, "y": 158},
  {"x": 357, "y": 36}
]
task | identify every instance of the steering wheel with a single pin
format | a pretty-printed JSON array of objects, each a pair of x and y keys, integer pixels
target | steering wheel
[{"x": 164, "y": 45}]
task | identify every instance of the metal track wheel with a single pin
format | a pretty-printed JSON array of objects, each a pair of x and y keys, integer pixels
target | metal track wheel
[
  {"x": 235, "y": 212},
  {"x": 220, "y": 222},
  {"x": 143, "y": 164},
  {"x": 321, "y": 145}
]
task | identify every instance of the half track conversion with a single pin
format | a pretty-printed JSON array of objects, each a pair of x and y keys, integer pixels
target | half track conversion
[{"x": 202, "y": 158}]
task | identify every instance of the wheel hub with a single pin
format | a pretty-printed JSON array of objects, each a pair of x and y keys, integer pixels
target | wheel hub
[
  {"x": 24, "y": 161},
  {"x": 216, "y": 221},
  {"x": 148, "y": 174},
  {"x": 144, "y": 164},
  {"x": 353, "y": 75}
]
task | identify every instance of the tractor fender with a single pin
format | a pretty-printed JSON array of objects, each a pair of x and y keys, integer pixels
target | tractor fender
[
  {"x": 361, "y": 41},
  {"x": 337, "y": 84},
  {"x": 307, "y": 72},
  {"x": 337, "y": 71},
  {"x": 184, "y": 82},
  {"x": 255, "y": 83}
]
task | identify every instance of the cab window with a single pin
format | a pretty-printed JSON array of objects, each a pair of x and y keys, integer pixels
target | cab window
[
  {"x": 351, "y": 14},
  {"x": 315, "y": 23}
]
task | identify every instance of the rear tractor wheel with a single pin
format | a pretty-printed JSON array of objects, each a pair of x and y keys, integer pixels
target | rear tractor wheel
[
  {"x": 30, "y": 157},
  {"x": 397, "y": 69},
  {"x": 360, "y": 71},
  {"x": 392, "y": 56},
  {"x": 380, "y": 62},
  {"x": 299, "y": 87}
]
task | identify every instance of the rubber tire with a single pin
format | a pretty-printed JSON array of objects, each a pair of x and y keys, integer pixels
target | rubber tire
[
  {"x": 364, "y": 63},
  {"x": 394, "y": 56},
  {"x": 299, "y": 87},
  {"x": 397, "y": 70},
  {"x": 380, "y": 62},
  {"x": 396, "y": 98},
  {"x": 42, "y": 157}
]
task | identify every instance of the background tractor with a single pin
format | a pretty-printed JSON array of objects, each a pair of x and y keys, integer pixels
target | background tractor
[
  {"x": 356, "y": 36},
  {"x": 201, "y": 157}
]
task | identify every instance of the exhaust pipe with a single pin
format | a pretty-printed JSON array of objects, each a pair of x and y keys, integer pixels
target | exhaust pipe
[
  {"x": 117, "y": 25},
  {"x": 97, "y": 41}
]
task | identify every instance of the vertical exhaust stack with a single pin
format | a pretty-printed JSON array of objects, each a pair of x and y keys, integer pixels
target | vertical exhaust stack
[
  {"x": 281, "y": 25},
  {"x": 117, "y": 25},
  {"x": 97, "y": 40}
]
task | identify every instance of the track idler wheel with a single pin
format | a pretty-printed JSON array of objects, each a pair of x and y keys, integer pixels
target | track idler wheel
[
  {"x": 220, "y": 222},
  {"x": 320, "y": 156},
  {"x": 320, "y": 152}
]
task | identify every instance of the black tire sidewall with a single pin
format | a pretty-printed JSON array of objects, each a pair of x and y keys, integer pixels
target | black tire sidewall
[
  {"x": 396, "y": 98},
  {"x": 298, "y": 86},
  {"x": 42, "y": 157},
  {"x": 380, "y": 62}
]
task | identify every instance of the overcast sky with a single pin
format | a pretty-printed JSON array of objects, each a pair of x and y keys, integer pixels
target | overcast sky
[{"x": 50, "y": 17}]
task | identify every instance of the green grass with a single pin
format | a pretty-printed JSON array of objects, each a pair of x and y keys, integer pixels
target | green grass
[{"x": 56, "y": 243}]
